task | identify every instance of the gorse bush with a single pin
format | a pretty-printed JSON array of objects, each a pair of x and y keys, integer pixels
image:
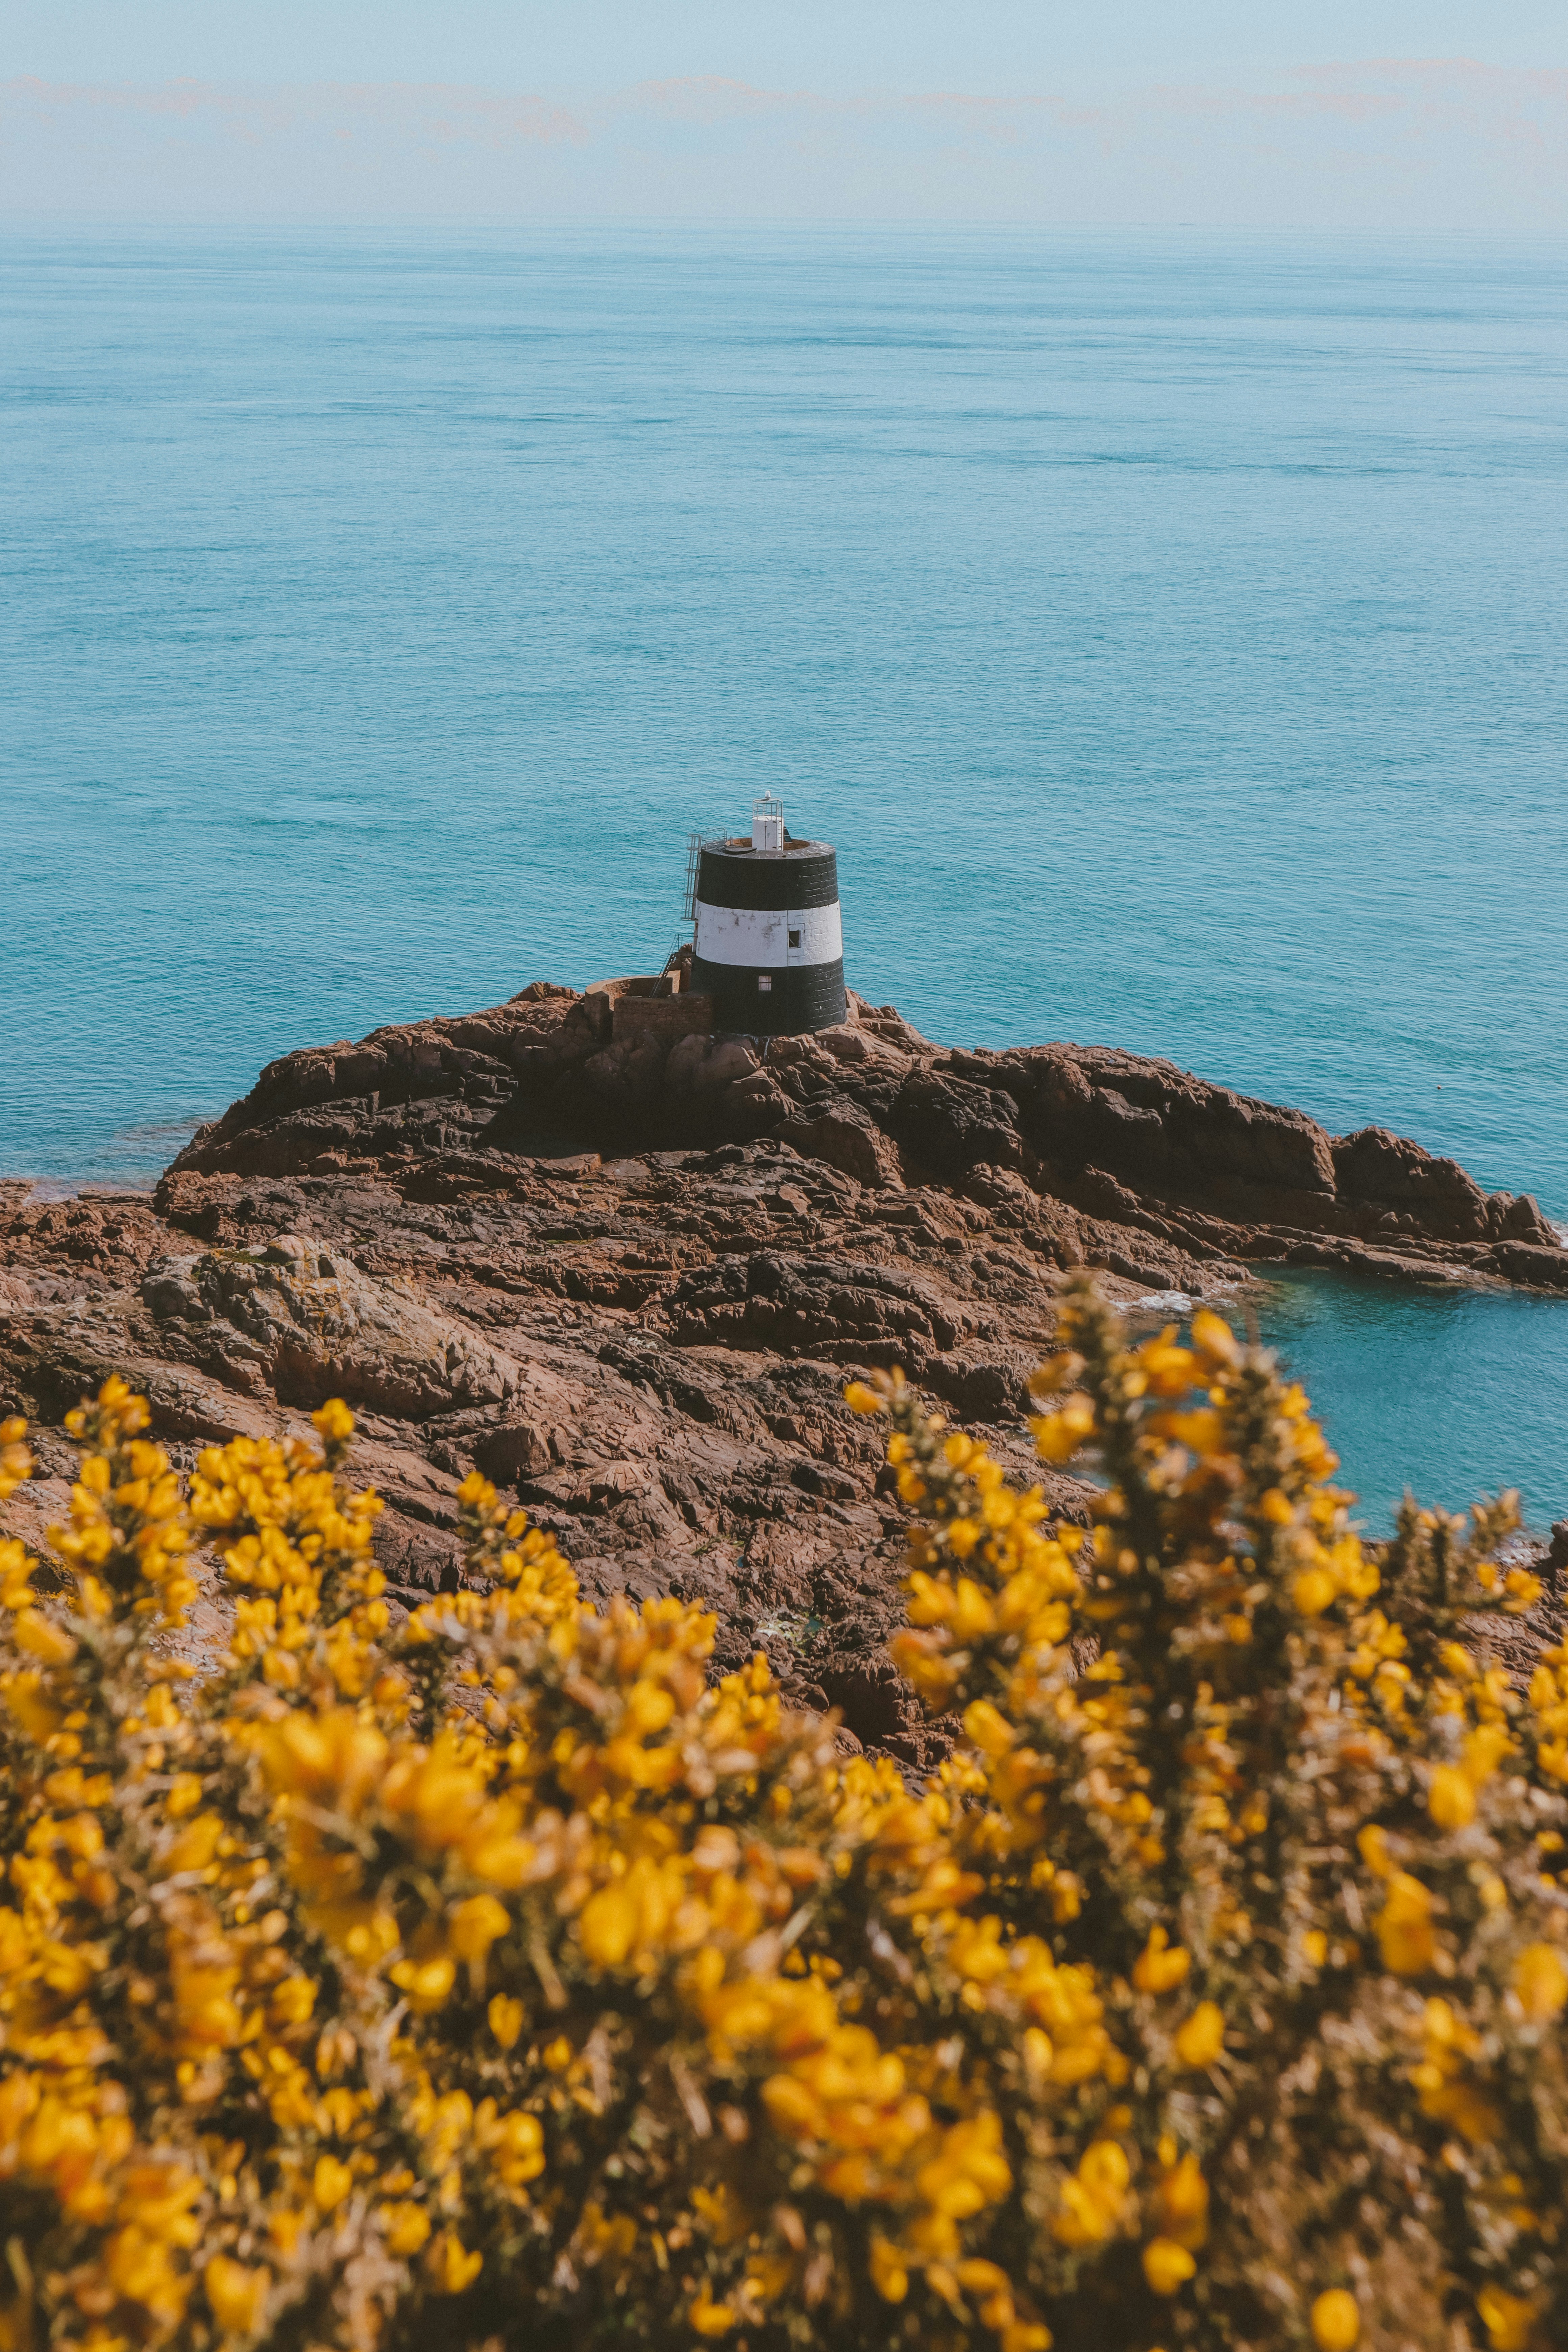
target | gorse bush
[{"x": 501, "y": 1979}]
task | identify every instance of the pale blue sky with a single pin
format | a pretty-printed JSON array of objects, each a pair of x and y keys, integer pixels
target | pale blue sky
[
  {"x": 1404, "y": 114},
  {"x": 992, "y": 47}
]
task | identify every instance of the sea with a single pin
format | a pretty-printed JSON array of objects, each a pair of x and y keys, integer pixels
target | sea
[{"x": 1167, "y": 627}]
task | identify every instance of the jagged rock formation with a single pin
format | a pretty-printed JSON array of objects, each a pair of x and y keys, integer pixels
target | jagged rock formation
[
  {"x": 628, "y": 1277},
  {"x": 1099, "y": 1152}
]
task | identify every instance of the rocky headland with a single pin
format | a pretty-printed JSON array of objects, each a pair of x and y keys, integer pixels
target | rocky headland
[{"x": 626, "y": 1271}]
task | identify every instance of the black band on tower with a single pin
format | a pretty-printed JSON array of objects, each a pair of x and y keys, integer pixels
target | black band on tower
[
  {"x": 799, "y": 997},
  {"x": 806, "y": 877}
]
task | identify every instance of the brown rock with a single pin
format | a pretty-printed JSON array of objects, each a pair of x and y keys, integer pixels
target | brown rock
[
  {"x": 516, "y": 1450},
  {"x": 303, "y": 1323},
  {"x": 846, "y": 1137},
  {"x": 628, "y": 1278}
]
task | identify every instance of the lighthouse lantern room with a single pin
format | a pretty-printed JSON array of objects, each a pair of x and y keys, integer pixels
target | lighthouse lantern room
[{"x": 769, "y": 946}]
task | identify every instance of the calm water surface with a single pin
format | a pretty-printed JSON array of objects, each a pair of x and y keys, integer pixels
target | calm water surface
[{"x": 1168, "y": 631}]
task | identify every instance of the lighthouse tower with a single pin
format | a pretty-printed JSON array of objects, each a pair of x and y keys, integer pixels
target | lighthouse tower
[{"x": 768, "y": 947}]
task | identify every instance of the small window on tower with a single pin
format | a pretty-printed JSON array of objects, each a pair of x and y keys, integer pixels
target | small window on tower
[
  {"x": 794, "y": 938},
  {"x": 764, "y": 982}
]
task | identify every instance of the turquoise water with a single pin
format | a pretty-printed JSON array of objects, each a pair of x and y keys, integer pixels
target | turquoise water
[
  {"x": 1168, "y": 630},
  {"x": 1457, "y": 1393}
]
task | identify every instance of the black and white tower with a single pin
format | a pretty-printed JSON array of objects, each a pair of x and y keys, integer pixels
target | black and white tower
[{"x": 768, "y": 946}]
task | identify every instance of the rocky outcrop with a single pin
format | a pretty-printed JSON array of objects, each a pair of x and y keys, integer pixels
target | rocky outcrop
[
  {"x": 627, "y": 1279},
  {"x": 649, "y": 1351},
  {"x": 301, "y": 1323},
  {"x": 1131, "y": 1159}
]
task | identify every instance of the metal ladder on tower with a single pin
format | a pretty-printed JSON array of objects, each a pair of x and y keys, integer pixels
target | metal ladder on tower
[{"x": 694, "y": 844}]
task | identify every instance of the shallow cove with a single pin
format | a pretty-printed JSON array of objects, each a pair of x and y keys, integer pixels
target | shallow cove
[{"x": 1423, "y": 1388}]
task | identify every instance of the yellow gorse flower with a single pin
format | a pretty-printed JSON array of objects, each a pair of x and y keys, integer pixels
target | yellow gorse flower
[
  {"x": 1336, "y": 2321},
  {"x": 1220, "y": 1571},
  {"x": 510, "y": 1956},
  {"x": 16, "y": 1456}
]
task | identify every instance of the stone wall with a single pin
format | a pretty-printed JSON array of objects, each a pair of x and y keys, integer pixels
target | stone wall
[{"x": 666, "y": 1017}]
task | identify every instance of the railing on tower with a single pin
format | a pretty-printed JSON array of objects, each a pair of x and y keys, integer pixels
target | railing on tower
[{"x": 694, "y": 842}]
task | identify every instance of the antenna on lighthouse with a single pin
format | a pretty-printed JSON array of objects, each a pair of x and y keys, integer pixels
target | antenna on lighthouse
[{"x": 767, "y": 822}]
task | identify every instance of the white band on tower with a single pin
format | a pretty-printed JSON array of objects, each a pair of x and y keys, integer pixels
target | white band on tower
[{"x": 763, "y": 936}]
